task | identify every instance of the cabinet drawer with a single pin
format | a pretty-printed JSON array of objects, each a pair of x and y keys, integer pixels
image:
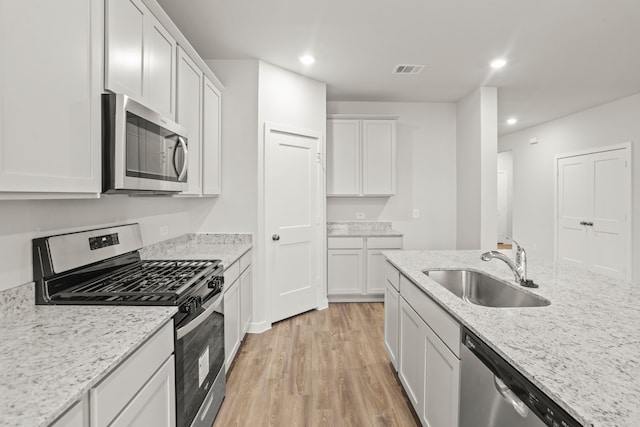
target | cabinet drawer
[
  {"x": 445, "y": 327},
  {"x": 114, "y": 393},
  {"x": 231, "y": 274},
  {"x": 394, "y": 242},
  {"x": 392, "y": 275},
  {"x": 245, "y": 261},
  {"x": 345, "y": 243}
]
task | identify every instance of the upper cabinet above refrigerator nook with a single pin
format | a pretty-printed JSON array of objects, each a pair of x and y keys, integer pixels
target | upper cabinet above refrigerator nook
[
  {"x": 361, "y": 156},
  {"x": 140, "y": 56}
]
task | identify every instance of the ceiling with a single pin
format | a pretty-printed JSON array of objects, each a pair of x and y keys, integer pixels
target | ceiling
[{"x": 564, "y": 55}]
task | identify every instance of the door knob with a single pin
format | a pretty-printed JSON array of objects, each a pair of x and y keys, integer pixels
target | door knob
[{"x": 275, "y": 237}]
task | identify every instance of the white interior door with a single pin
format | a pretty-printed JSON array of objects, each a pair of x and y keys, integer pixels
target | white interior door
[
  {"x": 292, "y": 188},
  {"x": 594, "y": 211},
  {"x": 502, "y": 206},
  {"x": 573, "y": 209}
]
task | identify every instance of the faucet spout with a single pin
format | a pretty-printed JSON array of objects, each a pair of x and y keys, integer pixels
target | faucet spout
[{"x": 519, "y": 267}]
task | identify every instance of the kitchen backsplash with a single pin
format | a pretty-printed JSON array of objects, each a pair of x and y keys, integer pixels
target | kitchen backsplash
[
  {"x": 13, "y": 299},
  {"x": 358, "y": 226}
]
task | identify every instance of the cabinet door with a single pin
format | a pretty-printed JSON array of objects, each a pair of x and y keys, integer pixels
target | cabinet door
[
  {"x": 378, "y": 157},
  {"x": 231, "y": 323},
  {"x": 345, "y": 270},
  {"x": 189, "y": 115},
  {"x": 412, "y": 355},
  {"x": 376, "y": 264},
  {"x": 441, "y": 383},
  {"x": 155, "y": 403},
  {"x": 391, "y": 319},
  {"x": 343, "y": 157},
  {"x": 50, "y": 85},
  {"x": 246, "y": 298},
  {"x": 159, "y": 68},
  {"x": 211, "y": 140},
  {"x": 124, "y": 36},
  {"x": 77, "y": 416}
]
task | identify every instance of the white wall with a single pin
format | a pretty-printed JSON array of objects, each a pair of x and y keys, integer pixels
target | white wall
[
  {"x": 533, "y": 168},
  {"x": 21, "y": 221},
  {"x": 477, "y": 136},
  {"x": 255, "y": 92},
  {"x": 505, "y": 163},
  {"x": 236, "y": 208},
  {"x": 426, "y": 174}
]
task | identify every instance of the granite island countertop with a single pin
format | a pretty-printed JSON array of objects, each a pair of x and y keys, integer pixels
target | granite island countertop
[
  {"x": 361, "y": 229},
  {"x": 50, "y": 356},
  {"x": 583, "y": 350},
  {"x": 226, "y": 247}
]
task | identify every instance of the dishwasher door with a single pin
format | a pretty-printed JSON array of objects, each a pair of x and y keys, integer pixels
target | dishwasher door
[
  {"x": 494, "y": 394},
  {"x": 481, "y": 404}
]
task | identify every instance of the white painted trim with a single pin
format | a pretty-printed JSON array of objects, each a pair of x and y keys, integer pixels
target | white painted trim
[
  {"x": 321, "y": 228},
  {"x": 627, "y": 147},
  {"x": 258, "y": 327},
  {"x": 362, "y": 116}
]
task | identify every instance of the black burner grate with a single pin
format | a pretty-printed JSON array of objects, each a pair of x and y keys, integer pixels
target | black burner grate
[{"x": 146, "y": 281}]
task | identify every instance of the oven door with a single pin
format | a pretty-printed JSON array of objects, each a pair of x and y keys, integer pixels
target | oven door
[{"x": 200, "y": 375}]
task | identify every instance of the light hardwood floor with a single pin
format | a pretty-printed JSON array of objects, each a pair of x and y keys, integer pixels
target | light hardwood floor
[{"x": 321, "y": 368}]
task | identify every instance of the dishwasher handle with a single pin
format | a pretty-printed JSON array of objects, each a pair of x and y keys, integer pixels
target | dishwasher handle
[{"x": 507, "y": 394}]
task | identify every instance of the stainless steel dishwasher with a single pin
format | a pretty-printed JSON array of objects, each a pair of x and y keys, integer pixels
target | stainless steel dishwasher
[{"x": 494, "y": 394}]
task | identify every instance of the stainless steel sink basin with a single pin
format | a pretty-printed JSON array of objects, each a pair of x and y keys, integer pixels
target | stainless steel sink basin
[{"x": 481, "y": 289}]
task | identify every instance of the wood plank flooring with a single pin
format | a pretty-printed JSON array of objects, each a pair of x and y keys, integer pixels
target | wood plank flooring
[{"x": 321, "y": 368}]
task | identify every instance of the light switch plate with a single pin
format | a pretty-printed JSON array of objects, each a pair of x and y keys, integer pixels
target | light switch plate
[{"x": 416, "y": 213}]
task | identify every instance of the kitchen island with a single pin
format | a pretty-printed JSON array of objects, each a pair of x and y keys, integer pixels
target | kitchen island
[{"x": 582, "y": 350}]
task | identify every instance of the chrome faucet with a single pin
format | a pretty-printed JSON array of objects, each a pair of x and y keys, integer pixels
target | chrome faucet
[{"x": 519, "y": 267}]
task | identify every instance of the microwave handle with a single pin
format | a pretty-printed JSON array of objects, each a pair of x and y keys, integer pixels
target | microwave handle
[{"x": 185, "y": 163}]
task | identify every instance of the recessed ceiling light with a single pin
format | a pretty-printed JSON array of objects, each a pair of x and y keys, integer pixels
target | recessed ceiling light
[
  {"x": 512, "y": 121},
  {"x": 307, "y": 59},
  {"x": 498, "y": 63}
]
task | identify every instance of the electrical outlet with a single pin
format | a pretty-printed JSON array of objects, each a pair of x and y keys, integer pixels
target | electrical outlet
[
  {"x": 359, "y": 215},
  {"x": 416, "y": 213},
  {"x": 164, "y": 230}
]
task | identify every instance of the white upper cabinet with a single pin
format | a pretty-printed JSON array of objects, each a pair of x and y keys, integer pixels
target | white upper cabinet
[
  {"x": 140, "y": 56},
  {"x": 343, "y": 157},
  {"x": 189, "y": 115},
  {"x": 211, "y": 140},
  {"x": 378, "y": 157},
  {"x": 159, "y": 68},
  {"x": 50, "y": 85},
  {"x": 361, "y": 157}
]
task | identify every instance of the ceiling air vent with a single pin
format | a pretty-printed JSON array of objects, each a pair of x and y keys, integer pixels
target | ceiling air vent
[{"x": 408, "y": 69}]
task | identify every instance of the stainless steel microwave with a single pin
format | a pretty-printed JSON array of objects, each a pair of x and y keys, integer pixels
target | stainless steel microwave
[{"x": 143, "y": 152}]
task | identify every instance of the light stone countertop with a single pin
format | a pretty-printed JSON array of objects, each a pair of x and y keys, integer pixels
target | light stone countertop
[
  {"x": 361, "y": 229},
  {"x": 583, "y": 350},
  {"x": 226, "y": 247},
  {"x": 50, "y": 356}
]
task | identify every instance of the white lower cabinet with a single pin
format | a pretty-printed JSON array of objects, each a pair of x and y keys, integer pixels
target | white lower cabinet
[
  {"x": 154, "y": 405},
  {"x": 428, "y": 369},
  {"x": 231, "y": 323},
  {"x": 141, "y": 391},
  {"x": 77, "y": 416},
  {"x": 238, "y": 301},
  {"x": 245, "y": 301},
  {"x": 355, "y": 267},
  {"x": 391, "y": 322},
  {"x": 392, "y": 312}
]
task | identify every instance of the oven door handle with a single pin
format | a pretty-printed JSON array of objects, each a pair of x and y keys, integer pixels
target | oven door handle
[{"x": 190, "y": 326}]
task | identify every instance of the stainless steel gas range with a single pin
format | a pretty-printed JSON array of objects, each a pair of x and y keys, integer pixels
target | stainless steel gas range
[{"x": 103, "y": 267}]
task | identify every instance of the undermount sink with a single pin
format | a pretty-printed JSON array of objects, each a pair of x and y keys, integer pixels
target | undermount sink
[{"x": 481, "y": 289}]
